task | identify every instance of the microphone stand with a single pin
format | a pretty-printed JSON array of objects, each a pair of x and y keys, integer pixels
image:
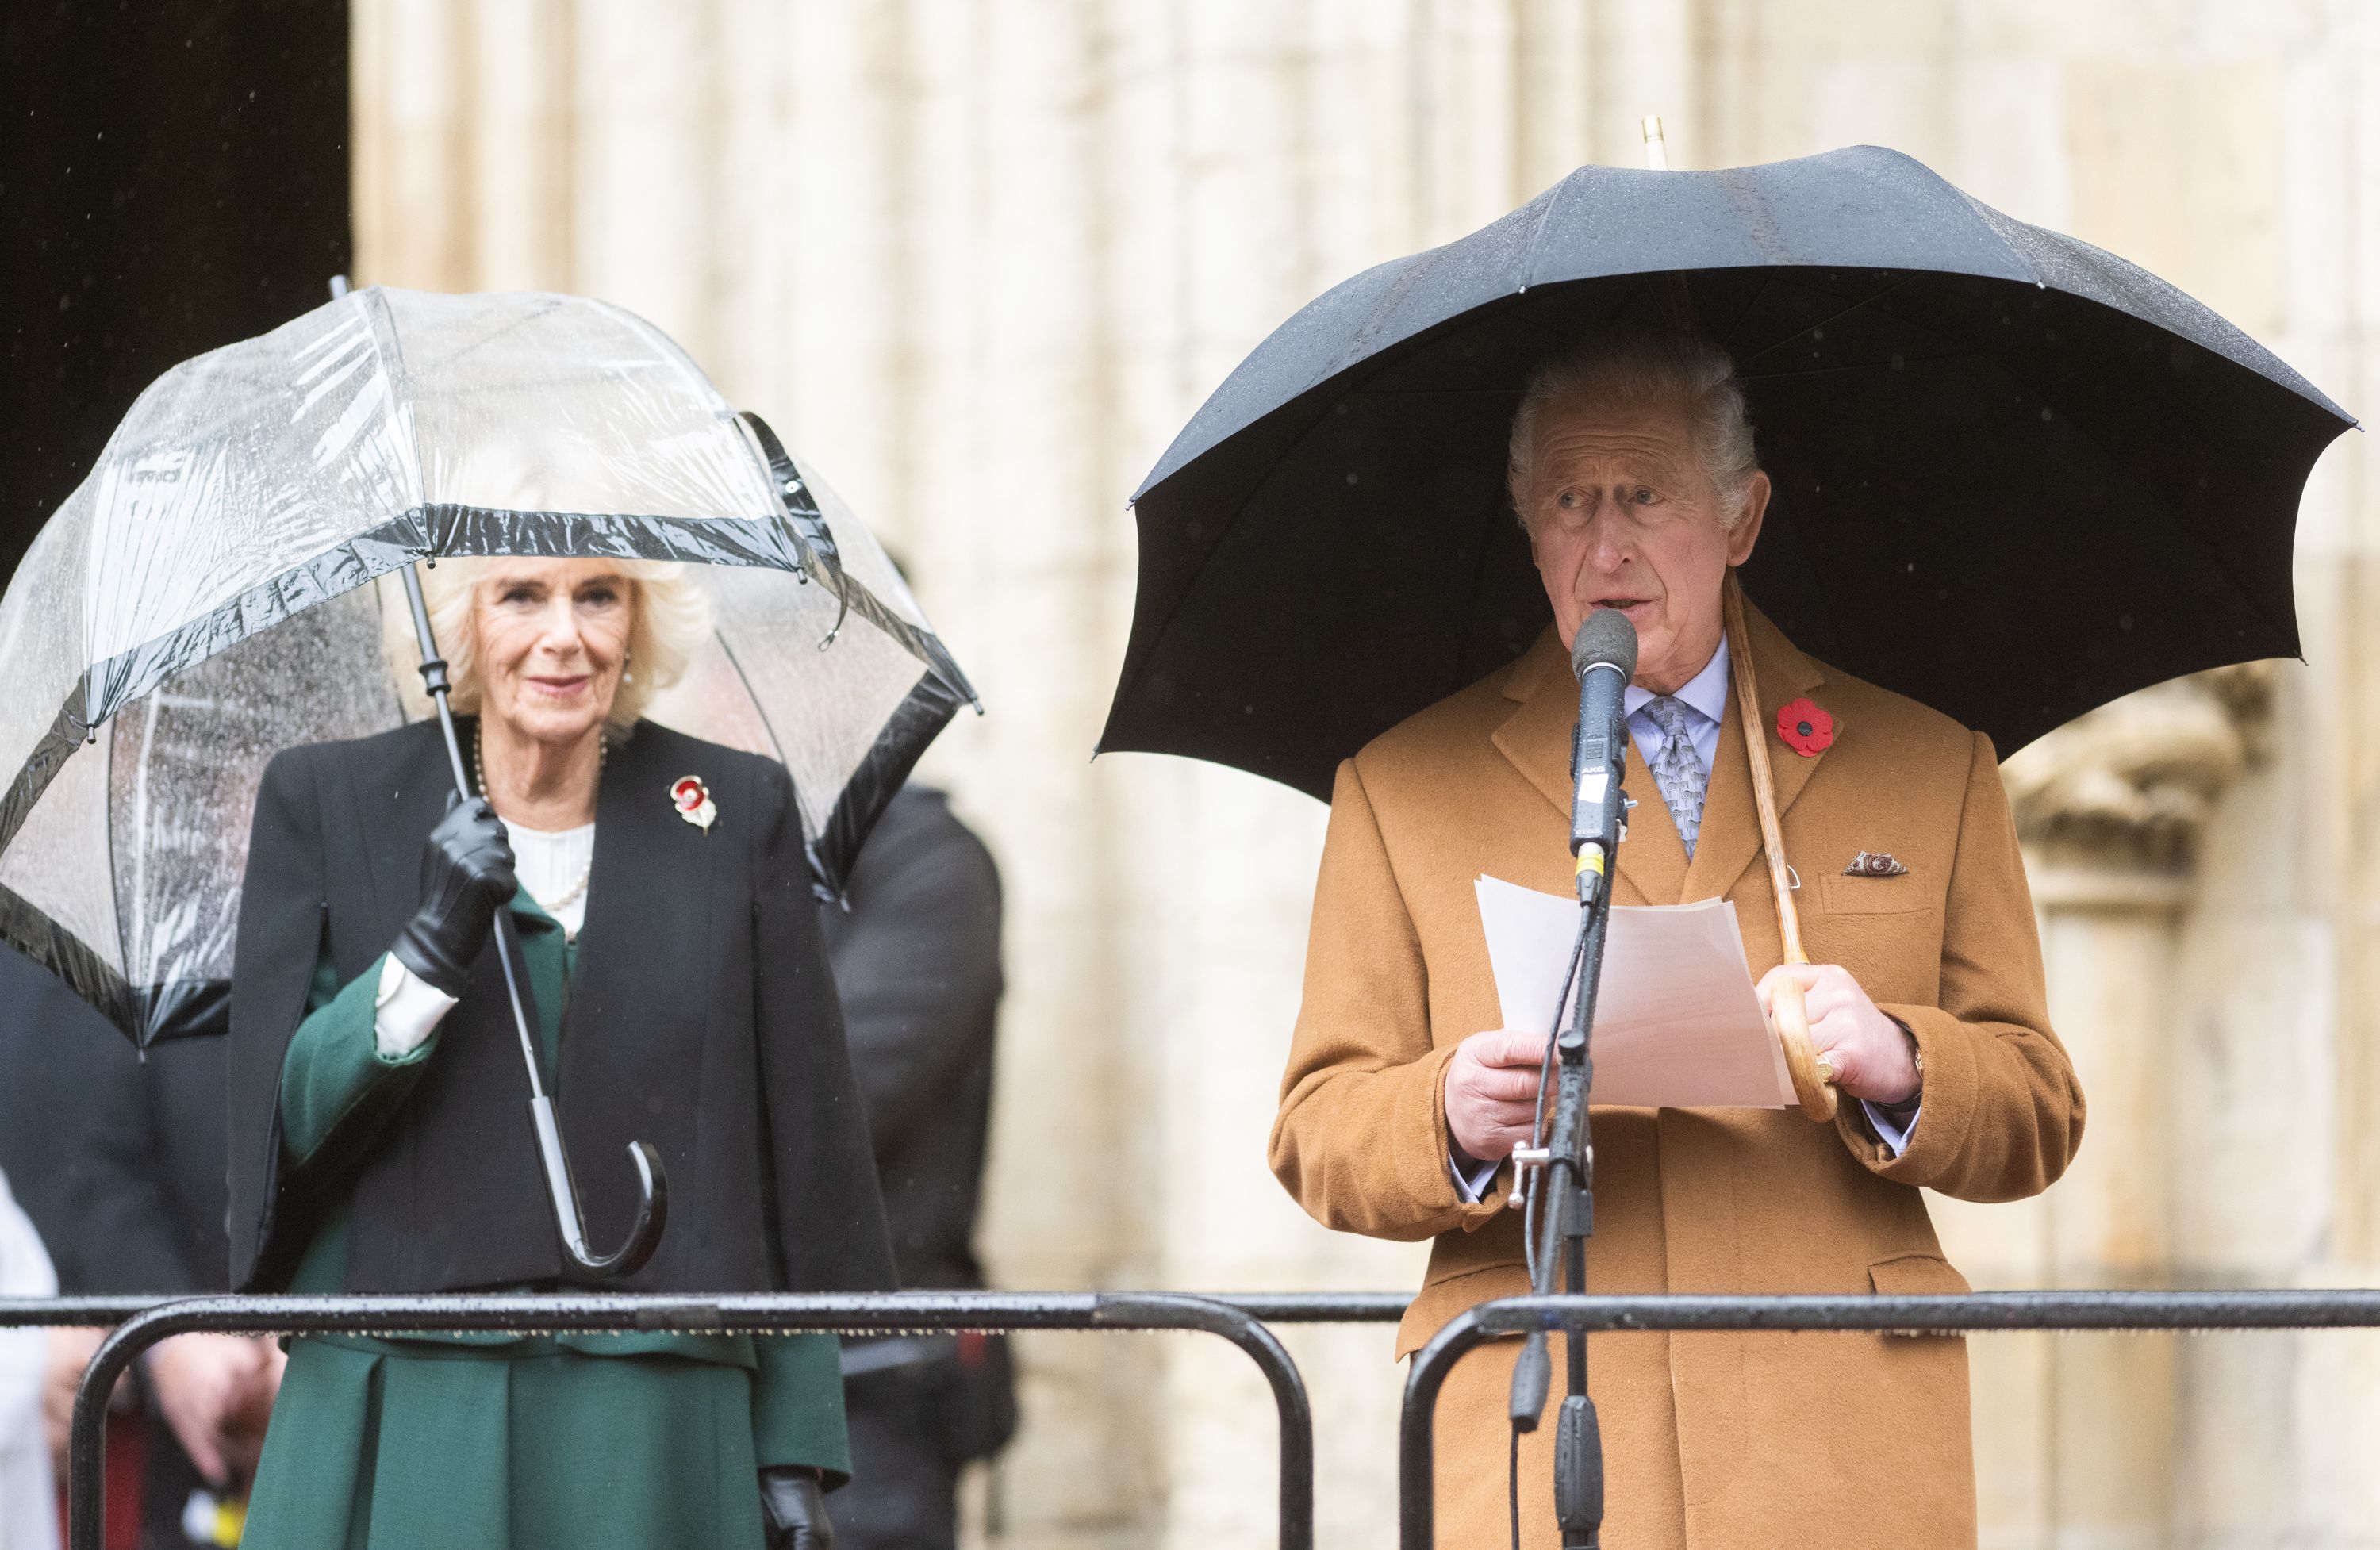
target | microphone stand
[
  {"x": 1561, "y": 1176},
  {"x": 1564, "y": 1182}
]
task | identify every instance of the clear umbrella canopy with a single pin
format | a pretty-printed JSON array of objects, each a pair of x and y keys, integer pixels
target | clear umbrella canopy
[{"x": 213, "y": 593}]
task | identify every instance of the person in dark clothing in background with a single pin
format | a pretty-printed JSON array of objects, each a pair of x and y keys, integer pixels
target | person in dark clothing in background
[
  {"x": 917, "y": 959},
  {"x": 55, "y": 1054},
  {"x": 120, "y": 1164}
]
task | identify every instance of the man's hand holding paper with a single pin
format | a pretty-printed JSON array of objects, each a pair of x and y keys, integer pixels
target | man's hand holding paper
[
  {"x": 1491, "y": 1095},
  {"x": 1677, "y": 1024}
]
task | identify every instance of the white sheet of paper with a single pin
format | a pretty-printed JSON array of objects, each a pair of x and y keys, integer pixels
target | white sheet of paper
[{"x": 1676, "y": 1022}]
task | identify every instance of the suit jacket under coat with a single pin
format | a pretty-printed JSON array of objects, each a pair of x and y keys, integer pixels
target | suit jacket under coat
[
  {"x": 1716, "y": 1440},
  {"x": 702, "y": 1018}
]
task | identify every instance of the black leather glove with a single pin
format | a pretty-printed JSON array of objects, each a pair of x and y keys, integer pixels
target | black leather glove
[
  {"x": 466, "y": 876},
  {"x": 794, "y": 1500}
]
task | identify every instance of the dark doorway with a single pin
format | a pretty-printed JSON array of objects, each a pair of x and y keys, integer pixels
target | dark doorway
[{"x": 173, "y": 176}]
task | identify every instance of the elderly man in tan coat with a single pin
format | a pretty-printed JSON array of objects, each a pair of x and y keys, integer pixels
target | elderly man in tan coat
[{"x": 1633, "y": 473}]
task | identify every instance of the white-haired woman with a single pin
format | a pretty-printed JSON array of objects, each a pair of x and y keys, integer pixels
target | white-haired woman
[{"x": 379, "y": 1143}]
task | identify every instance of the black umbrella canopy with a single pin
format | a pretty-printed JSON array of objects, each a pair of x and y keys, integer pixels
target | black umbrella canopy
[{"x": 2016, "y": 477}]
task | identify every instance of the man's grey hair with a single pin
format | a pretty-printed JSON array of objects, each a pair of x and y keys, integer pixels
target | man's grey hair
[{"x": 1636, "y": 364}]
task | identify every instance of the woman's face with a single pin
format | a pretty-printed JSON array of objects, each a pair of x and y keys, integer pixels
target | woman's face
[{"x": 554, "y": 637}]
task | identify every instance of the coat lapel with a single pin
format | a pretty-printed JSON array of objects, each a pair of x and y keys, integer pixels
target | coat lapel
[
  {"x": 1652, "y": 861},
  {"x": 645, "y": 991},
  {"x": 644, "y": 852},
  {"x": 1730, "y": 833},
  {"x": 1535, "y": 738},
  {"x": 1652, "y": 856},
  {"x": 393, "y": 807}
]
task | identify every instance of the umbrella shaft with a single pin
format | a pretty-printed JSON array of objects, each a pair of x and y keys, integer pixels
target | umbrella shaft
[
  {"x": 435, "y": 678},
  {"x": 652, "y": 1183}
]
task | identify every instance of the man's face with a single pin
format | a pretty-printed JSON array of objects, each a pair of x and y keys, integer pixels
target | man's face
[{"x": 1622, "y": 515}]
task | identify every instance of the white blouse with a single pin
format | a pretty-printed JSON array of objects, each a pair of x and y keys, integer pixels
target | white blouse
[{"x": 551, "y": 864}]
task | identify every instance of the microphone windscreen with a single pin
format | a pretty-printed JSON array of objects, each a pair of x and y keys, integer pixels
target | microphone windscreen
[{"x": 1605, "y": 635}]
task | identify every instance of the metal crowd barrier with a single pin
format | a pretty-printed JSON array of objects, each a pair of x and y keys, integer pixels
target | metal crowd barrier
[
  {"x": 141, "y": 1322},
  {"x": 1975, "y": 1313}
]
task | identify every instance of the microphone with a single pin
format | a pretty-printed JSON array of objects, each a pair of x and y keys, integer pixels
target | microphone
[{"x": 1603, "y": 654}]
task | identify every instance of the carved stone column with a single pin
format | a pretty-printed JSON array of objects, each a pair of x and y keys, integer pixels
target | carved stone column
[{"x": 2076, "y": 1435}]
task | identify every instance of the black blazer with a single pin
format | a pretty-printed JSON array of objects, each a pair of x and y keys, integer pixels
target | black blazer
[{"x": 702, "y": 1018}]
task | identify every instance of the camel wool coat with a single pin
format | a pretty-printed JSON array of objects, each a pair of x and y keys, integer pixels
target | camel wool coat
[{"x": 1712, "y": 1441}]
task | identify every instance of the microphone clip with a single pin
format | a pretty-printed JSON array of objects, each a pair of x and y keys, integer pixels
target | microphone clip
[{"x": 1523, "y": 1159}]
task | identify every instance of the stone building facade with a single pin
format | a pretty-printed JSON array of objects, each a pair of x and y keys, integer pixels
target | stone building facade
[{"x": 980, "y": 257}]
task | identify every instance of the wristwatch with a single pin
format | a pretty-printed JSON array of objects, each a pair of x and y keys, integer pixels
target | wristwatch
[{"x": 1908, "y": 1106}]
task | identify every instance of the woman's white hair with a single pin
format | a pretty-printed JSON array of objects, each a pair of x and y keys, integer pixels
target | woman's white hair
[
  {"x": 671, "y": 621},
  {"x": 1633, "y": 363}
]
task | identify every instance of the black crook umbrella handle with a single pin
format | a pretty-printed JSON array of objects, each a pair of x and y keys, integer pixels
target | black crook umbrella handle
[
  {"x": 652, "y": 1183},
  {"x": 652, "y": 1198}
]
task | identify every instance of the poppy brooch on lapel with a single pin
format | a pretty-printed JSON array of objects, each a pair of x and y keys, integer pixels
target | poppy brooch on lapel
[
  {"x": 1807, "y": 730},
  {"x": 692, "y": 800}
]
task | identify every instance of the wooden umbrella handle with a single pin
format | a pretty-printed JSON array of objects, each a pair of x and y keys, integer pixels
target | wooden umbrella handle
[
  {"x": 1813, "y": 1085},
  {"x": 1813, "y": 1081}
]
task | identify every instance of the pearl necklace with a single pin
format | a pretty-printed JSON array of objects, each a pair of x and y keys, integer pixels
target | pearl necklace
[{"x": 480, "y": 772}]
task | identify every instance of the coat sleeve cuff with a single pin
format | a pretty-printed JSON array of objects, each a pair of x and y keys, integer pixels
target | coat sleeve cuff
[
  {"x": 797, "y": 1417},
  {"x": 337, "y": 1087},
  {"x": 1948, "y": 1099},
  {"x": 1468, "y": 1215}
]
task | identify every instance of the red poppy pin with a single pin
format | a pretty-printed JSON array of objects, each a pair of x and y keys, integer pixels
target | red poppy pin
[
  {"x": 1807, "y": 730},
  {"x": 692, "y": 800}
]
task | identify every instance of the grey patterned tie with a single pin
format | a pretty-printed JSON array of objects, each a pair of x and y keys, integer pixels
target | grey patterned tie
[{"x": 1676, "y": 769}]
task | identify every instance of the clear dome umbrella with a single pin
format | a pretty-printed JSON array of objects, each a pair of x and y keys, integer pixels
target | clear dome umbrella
[{"x": 228, "y": 582}]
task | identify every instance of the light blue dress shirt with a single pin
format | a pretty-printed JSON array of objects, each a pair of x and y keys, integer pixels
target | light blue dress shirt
[{"x": 1705, "y": 697}]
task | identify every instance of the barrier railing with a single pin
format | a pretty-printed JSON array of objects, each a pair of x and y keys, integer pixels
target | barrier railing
[
  {"x": 141, "y": 1322},
  {"x": 1974, "y": 1313}
]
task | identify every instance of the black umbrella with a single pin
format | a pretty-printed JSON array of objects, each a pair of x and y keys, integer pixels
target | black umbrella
[{"x": 2015, "y": 477}]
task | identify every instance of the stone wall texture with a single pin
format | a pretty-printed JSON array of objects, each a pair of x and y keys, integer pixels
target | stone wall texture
[{"x": 980, "y": 258}]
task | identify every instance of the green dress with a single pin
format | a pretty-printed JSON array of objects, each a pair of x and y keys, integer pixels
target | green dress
[{"x": 570, "y": 1442}]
